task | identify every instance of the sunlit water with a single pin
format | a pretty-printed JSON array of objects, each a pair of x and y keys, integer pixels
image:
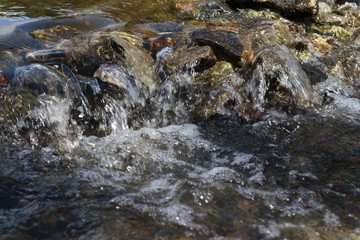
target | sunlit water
[{"x": 288, "y": 176}]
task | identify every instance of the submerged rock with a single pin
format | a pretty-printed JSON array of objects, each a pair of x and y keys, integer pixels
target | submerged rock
[
  {"x": 54, "y": 34},
  {"x": 290, "y": 8}
]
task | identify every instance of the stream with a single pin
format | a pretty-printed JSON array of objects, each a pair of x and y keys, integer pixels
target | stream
[{"x": 178, "y": 120}]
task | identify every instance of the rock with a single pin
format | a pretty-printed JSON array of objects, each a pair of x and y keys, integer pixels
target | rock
[
  {"x": 156, "y": 44},
  {"x": 332, "y": 19},
  {"x": 211, "y": 9},
  {"x": 9, "y": 61},
  {"x": 290, "y": 8},
  {"x": 54, "y": 34},
  {"x": 324, "y": 7},
  {"x": 221, "y": 92},
  {"x": 335, "y": 31},
  {"x": 321, "y": 45},
  {"x": 119, "y": 76},
  {"x": 39, "y": 80},
  {"x": 137, "y": 60},
  {"x": 85, "y": 53},
  {"x": 263, "y": 34},
  {"x": 199, "y": 58},
  {"x": 278, "y": 76},
  {"x": 226, "y": 45},
  {"x": 3, "y": 82},
  {"x": 220, "y": 71},
  {"x": 265, "y": 14}
]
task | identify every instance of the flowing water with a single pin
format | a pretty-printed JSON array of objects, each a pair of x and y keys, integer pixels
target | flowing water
[{"x": 146, "y": 166}]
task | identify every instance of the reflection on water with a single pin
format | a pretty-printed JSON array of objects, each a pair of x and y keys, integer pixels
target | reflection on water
[{"x": 135, "y": 11}]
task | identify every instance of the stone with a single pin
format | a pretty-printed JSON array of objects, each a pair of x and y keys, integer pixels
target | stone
[
  {"x": 332, "y": 19},
  {"x": 137, "y": 60},
  {"x": 119, "y": 76},
  {"x": 3, "y": 82},
  {"x": 335, "y": 31},
  {"x": 156, "y": 44},
  {"x": 321, "y": 45},
  {"x": 199, "y": 58},
  {"x": 54, "y": 34},
  {"x": 39, "y": 80},
  {"x": 324, "y": 7},
  {"x": 289, "y": 8},
  {"x": 220, "y": 71},
  {"x": 277, "y": 76},
  {"x": 226, "y": 45}
]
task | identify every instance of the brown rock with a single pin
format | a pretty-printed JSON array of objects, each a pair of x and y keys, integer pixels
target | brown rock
[{"x": 3, "y": 82}]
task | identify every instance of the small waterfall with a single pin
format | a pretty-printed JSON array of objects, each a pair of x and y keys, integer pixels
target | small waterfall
[{"x": 276, "y": 69}]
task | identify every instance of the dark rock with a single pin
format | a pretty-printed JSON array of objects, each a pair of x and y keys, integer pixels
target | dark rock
[
  {"x": 226, "y": 45},
  {"x": 39, "y": 80},
  {"x": 290, "y": 8}
]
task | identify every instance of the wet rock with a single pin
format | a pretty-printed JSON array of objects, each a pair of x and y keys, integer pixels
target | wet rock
[
  {"x": 85, "y": 53},
  {"x": 290, "y": 8},
  {"x": 137, "y": 60},
  {"x": 9, "y": 61},
  {"x": 321, "y": 45},
  {"x": 335, "y": 31},
  {"x": 199, "y": 58},
  {"x": 324, "y": 7},
  {"x": 39, "y": 80},
  {"x": 54, "y": 34},
  {"x": 263, "y": 34},
  {"x": 221, "y": 93},
  {"x": 332, "y": 19},
  {"x": 119, "y": 76},
  {"x": 278, "y": 76},
  {"x": 211, "y": 9},
  {"x": 156, "y": 44},
  {"x": 3, "y": 82},
  {"x": 15, "y": 105},
  {"x": 221, "y": 70},
  {"x": 265, "y": 14},
  {"x": 226, "y": 45}
]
